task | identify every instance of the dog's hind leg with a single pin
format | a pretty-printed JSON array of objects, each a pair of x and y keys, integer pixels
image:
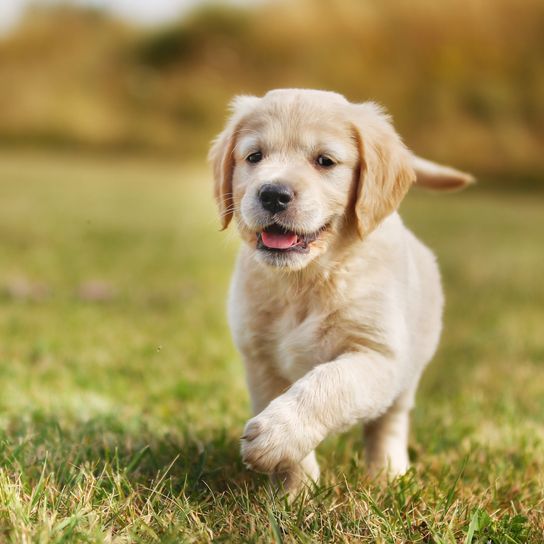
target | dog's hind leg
[{"x": 386, "y": 439}]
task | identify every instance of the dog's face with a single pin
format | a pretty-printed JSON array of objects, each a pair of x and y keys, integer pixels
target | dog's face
[{"x": 306, "y": 172}]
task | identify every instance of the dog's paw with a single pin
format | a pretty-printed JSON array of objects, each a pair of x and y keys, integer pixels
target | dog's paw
[{"x": 275, "y": 440}]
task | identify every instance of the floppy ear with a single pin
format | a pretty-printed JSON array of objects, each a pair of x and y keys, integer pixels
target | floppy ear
[
  {"x": 385, "y": 172},
  {"x": 441, "y": 178},
  {"x": 221, "y": 156},
  {"x": 222, "y": 161}
]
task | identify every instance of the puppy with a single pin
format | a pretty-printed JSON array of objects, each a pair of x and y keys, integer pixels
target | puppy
[{"x": 335, "y": 306}]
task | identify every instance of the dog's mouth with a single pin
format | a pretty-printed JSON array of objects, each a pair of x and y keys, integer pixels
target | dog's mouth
[{"x": 278, "y": 239}]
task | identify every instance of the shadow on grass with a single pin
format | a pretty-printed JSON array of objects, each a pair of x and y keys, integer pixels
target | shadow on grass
[{"x": 192, "y": 464}]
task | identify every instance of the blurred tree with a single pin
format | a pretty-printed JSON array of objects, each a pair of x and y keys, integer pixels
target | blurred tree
[{"x": 463, "y": 79}]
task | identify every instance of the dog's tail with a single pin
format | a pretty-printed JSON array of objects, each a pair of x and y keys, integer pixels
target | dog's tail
[{"x": 438, "y": 177}]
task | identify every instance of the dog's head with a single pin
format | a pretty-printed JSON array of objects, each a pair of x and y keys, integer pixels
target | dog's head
[{"x": 304, "y": 172}]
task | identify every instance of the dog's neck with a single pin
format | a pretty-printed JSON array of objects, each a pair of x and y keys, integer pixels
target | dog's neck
[{"x": 328, "y": 272}]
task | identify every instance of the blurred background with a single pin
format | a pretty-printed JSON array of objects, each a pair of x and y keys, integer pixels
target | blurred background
[
  {"x": 116, "y": 363},
  {"x": 463, "y": 79}
]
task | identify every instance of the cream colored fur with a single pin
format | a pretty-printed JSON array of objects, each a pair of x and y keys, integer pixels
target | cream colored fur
[{"x": 342, "y": 333}]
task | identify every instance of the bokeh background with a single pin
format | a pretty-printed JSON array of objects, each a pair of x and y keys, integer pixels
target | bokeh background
[
  {"x": 122, "y": 397},
  {"x": 463, "y": 79}
]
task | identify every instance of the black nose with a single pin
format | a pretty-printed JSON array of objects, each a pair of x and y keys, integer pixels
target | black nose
[{"x": 275, "y": 197}]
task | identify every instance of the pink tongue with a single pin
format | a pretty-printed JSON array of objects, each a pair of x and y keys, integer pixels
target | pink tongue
[{"x": 278, "y": 241}]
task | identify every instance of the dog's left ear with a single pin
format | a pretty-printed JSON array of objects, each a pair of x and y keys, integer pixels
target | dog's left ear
[
  {"x": 221, "y": 156},
  {"x": 385, "y": 166}
]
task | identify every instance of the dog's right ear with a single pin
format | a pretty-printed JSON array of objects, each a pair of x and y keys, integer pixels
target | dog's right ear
[{"x": 221, "y": 156}]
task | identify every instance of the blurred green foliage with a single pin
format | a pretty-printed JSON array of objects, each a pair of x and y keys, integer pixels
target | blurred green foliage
[{"x": 463, "y": 79}]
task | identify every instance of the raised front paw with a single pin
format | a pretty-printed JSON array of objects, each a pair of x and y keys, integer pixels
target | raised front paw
[{"x": 275, "y": 440}]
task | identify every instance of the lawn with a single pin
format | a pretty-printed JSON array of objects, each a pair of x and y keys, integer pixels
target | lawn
[{"x": 123, "y": 397}]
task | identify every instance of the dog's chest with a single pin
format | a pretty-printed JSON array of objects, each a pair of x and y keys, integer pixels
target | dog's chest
[
  {"x": 298, "y": 342},
  {"x": 296, "y": 339}
]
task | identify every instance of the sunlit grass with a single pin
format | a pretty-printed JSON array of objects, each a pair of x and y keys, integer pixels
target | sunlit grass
[{"x": 123, "y": 398}]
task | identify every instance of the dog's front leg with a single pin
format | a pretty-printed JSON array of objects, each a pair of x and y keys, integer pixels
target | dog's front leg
[
  {"x": 264, "y": 386},
  {"x": 331, "y": 397}
]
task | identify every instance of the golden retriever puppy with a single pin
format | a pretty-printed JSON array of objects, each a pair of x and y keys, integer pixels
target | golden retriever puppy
[{"x": 334, "y": 305}]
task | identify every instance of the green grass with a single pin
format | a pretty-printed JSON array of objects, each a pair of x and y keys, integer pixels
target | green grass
[{"x": 123, "y": 398}]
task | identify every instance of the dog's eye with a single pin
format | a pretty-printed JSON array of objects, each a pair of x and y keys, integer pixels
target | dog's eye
[
  {"x": 254, "y": 157},
  {"x": 324, "y": 161}
]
